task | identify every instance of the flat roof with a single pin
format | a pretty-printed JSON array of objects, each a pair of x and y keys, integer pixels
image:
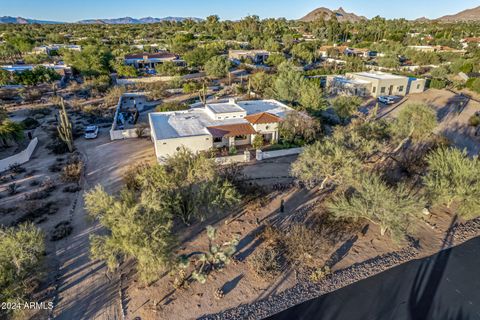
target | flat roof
[
  {"x": 195, "y": 121},
  {"x": 348, "y": 80},
  {"x": 271, "y": 106},
  {"x": 192, "y": 122},
  {"x": 379, "y": 75},
  {"x": 226, "y": 107}
]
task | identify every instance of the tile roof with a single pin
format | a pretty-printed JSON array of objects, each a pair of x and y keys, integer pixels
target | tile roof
[
  {"x": 263, "y": 117},
  {"x": 231, "y": 130}
]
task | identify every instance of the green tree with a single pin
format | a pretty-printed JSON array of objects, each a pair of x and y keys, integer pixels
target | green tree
[
  {"x": 126, "y": 71},
  {"x": 10, "y": 130},
  {"x": 167, "y": 68},
  {"x": 287, "y": 85},
  {"x": 415, "y": 122},
  {"x": 21, "y": 252},
  {"x": 394, "y": 210},
  {"x": 257, "y": 142},
  {"x": 325, "y": 162},
  {"x": 92, "y": 61},
  {"x": 312, "y": 97},
  {"x": 275, "y": 59},
  {"x": 187, "y": 186},
  {"x": 453, "y": 179},
  {"x": 299, "y": 128},
  {"x": 346, "y": 106},
  {"x": 136, "y": 231},
  {"x": 217, "y": 67}
]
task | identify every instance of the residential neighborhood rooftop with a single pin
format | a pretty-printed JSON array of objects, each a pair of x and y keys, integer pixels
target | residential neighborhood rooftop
[{"x": 379, "y": 75}]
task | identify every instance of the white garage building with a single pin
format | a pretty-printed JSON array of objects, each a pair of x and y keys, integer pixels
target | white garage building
[{"x": 216, "y": 125}]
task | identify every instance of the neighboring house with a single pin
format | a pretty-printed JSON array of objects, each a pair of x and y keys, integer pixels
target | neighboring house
[
  {"x": 436, "y": 49},
  {"x": 48, "y": 49},
  {"x": 376, "y": 84},
  {"x": 216, "y": 125},
  {"x": 470, "y": 42},
  {"x": 151, "y": 60},
  {"x": 348, "y": 86},
  {"x": 257, "y": 56},
  {"x": 19, "y": 68}
]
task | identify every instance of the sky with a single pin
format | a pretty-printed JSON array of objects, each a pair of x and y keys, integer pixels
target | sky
[{"x": 71, "y": 10}]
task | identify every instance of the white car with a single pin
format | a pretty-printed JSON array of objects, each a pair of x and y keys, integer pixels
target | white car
[
  {"x": 91, "y": 132},
  {"x": 386, "y": 99}
]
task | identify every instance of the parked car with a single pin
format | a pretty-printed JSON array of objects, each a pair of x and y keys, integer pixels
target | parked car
[
  {"x": 91, "y": 132},
  {"x": 386, "y": 99}
]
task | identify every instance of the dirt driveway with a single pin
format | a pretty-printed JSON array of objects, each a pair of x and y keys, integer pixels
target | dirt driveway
[{"x": 84, "y": 290}]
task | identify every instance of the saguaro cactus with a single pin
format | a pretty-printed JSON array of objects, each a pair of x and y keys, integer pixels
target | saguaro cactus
[
  {"x": 65, "y": 127},
  {"x": 202, "y": 94}
]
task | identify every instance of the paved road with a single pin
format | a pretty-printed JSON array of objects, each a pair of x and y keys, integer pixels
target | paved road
[{"x": 445, "y": 286}]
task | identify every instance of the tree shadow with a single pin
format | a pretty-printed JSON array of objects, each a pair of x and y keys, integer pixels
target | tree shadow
[
  {"x": 341, "y": 252},
  {"x": 230, "y": 285}
]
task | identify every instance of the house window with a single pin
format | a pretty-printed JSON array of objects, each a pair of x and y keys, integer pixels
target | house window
[
  {"x": 267, "y": 127},
  {"x": 217, "y": 139},
  {"x": 374, "y": 89},
  {"x": 418, "y": 86},
  {"x": 207, "y": 138},
  {"x": 241, "y": 137},
  {"x": 382, "y": 90},
  {"x": 400, "y": 89}
]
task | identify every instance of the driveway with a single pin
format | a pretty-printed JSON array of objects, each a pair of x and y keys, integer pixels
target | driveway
[{"x": 84, "y": 289}]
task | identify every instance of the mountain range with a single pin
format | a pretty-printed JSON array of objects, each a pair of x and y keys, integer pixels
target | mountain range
[
  {"x": 125, "y": 20},
  {"x": 465, "y": 15},
  {"x": 341, "y": 15}
]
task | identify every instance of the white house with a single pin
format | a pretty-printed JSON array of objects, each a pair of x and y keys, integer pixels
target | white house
[
  {"x": 216, "y": 125},
  {"x": 257, "y": 56},
  {"x": 151, "y": 60}
]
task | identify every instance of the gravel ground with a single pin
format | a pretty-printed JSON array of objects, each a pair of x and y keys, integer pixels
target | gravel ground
[{"x": 304, "y": 291}]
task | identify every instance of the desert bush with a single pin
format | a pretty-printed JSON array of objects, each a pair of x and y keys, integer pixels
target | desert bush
[
  {"x": 12, "y": 188},
  {"x": 37, "y": 195},
  {"x": 16, "y": 168},
  {"x": 72, "y": 172},
  {"x": 266, "y": 262},
  {"x": 55, "y": 167},
  {"x": 474, "y": 120},
  {"x": 72, "y": 189},
  {"x": 36, "y": 210},
  {"x": 303, "y": 245},
  {"x": 61, "y": 230},
  {"x": 320, "y": 273},
  {"x": 30, "y": 123}
]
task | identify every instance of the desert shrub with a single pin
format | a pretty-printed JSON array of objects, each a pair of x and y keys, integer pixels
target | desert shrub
[
  {"x": 130, "y": 176},
  {"x": 61, "y": 230},
  {"x": 266, "y": 262},
  {"x": 57, "y": 146},
  {"x": 37, "y": 210},
  {"x": 12, "y": 188},
  {"x": 320, "y": 273},
  {"x": 438, "y": 83},
  {"x": 171, "y": 106},
  {"x": 34, "y": 183},
  {"x": 48, "y": 184},
  {"x": 41, "y": 111},
  {"x": 302, "y": 245},
  {"x": 72, "y": 189},
  {"x": 30, "y": 123},
  {"x": 16, "y": 168},
  {"x": 72, "y": 172},
  {"x": 55, "y": 167},
  {"x": 474, "y": 120},
  {"x": 37, "y": 195}
]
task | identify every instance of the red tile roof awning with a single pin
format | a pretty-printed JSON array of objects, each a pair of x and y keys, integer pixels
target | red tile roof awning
[
  {"x": 231, "y": 130},
  {"x": 263, "y": 117}
]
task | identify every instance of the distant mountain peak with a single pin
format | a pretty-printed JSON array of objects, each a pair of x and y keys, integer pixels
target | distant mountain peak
[
  {"x": 465, "y": 15},
  {"x": 326, "y": 13}
]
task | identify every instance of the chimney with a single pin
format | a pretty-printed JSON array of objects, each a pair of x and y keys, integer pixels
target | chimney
[{"x": 232, "y": 101}]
